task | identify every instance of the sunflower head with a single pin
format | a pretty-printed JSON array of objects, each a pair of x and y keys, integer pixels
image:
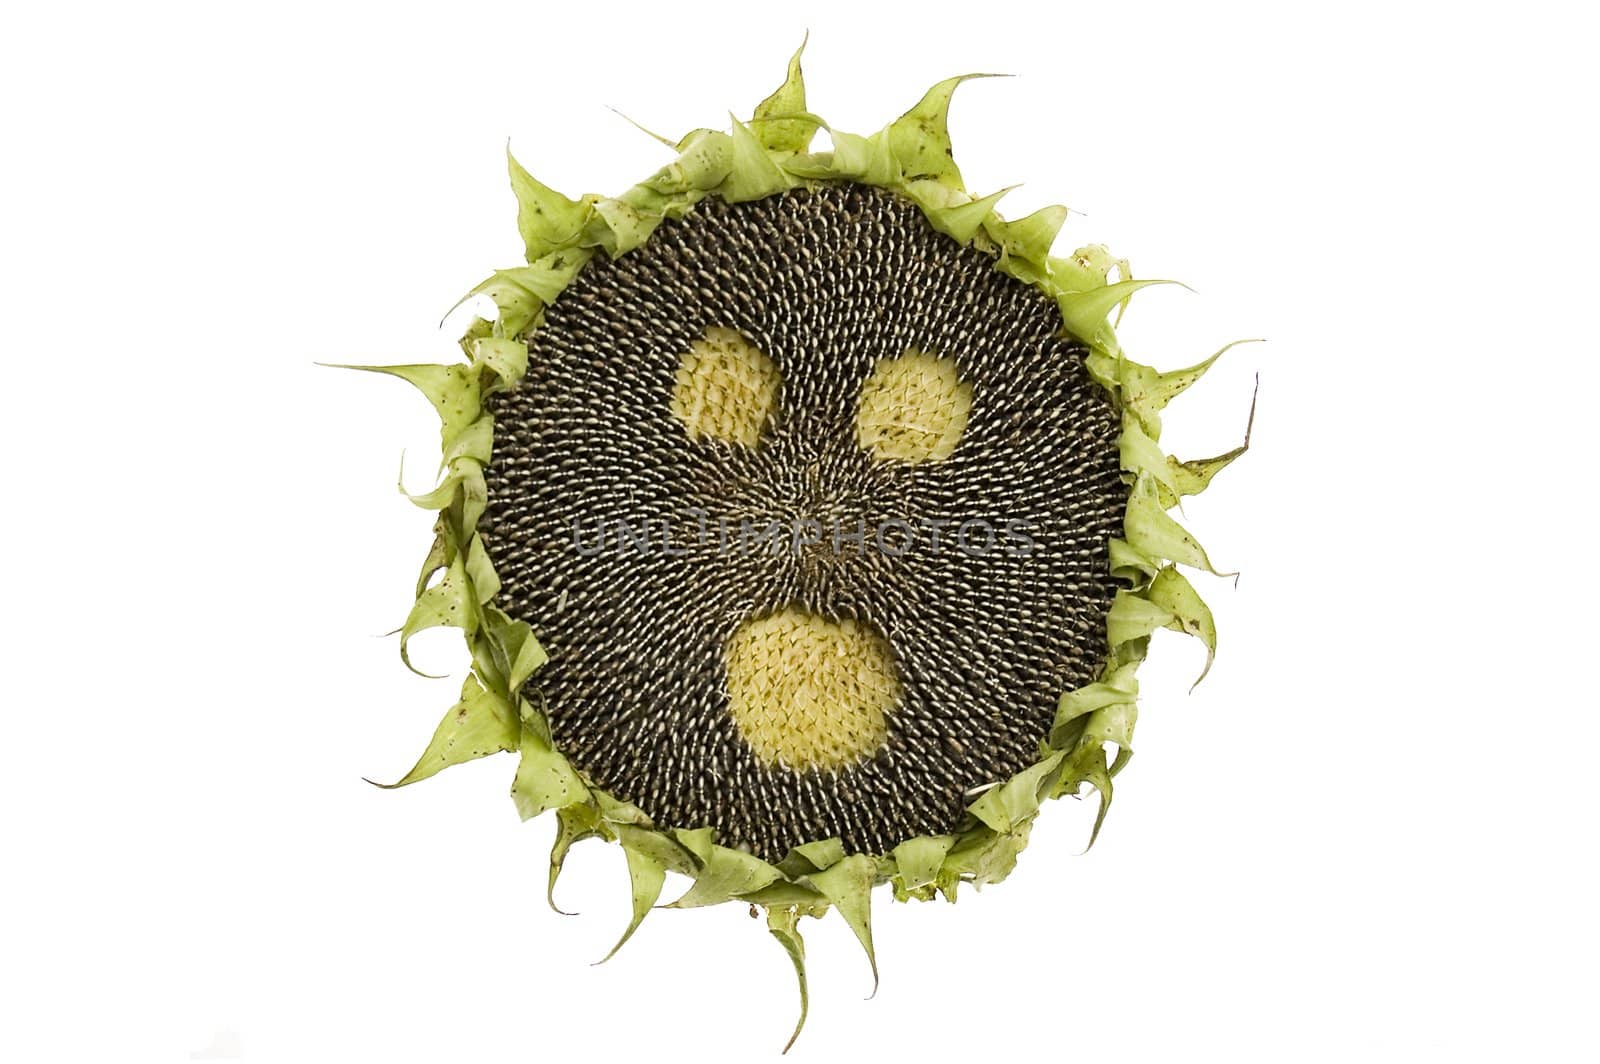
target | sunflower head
[{"x": 804, "y": 519}]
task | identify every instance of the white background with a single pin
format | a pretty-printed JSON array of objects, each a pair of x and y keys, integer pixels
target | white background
[{"x": 1370, "y": 835}]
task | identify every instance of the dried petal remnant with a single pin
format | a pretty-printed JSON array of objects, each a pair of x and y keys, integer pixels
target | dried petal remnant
[{"x": 810, "y": 693}]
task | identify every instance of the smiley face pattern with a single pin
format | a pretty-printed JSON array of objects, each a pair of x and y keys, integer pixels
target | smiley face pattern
[{"x": 804, "y": 426}]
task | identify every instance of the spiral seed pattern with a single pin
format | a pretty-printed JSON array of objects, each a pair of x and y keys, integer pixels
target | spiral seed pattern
[{"x": 991, "y": 591}]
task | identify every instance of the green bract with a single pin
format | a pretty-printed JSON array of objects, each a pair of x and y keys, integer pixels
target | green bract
[{"x": 1092, "y": 735}]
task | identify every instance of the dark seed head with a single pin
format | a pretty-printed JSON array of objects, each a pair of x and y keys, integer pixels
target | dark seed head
[{"x": 986, "y": 629}]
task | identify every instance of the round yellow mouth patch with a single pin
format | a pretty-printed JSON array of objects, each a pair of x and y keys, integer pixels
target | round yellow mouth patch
[
  {"x": 913, "y": 409},
  {"x": 726, "y": 388},
  {"x": 810, "y": 693}
]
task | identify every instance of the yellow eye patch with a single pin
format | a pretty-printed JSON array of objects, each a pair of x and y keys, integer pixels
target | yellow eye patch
[
  {"x": 810, "y": 693},
  {"x": 913, "y": 409},
  {"x": 726, "y": 388}
]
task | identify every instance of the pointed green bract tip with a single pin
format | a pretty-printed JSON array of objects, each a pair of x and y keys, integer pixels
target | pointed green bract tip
[
  {"x": 783, "y": 923},
  {"x": 545, "y": 218},
  {"x": 920, "y": 138},
  {"x": 781, "y": 121}
]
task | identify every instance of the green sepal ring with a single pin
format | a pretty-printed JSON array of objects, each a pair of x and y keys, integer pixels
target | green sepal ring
[{"x": 1090, "y": 738}]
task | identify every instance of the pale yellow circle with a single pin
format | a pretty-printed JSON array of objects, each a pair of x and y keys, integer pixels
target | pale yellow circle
[
  {"x": 726, "y": 388},
  {"x": 810, "y": 693},
  {"x": 913, "y": 409}
]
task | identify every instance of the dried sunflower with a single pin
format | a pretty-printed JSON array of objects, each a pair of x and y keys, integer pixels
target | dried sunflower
[{"x": 804, "y": 519}]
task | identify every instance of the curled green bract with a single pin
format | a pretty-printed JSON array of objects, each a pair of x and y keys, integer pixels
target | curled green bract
[{"x": 1092, "y": 736}]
